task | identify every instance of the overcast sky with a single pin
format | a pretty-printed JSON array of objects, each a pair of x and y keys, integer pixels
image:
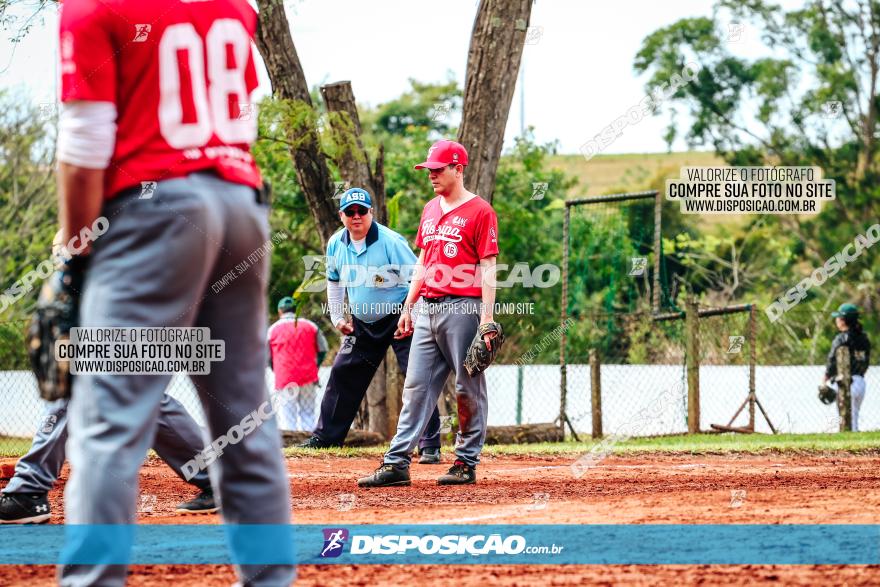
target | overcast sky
[{"x": 578, "y": 71}]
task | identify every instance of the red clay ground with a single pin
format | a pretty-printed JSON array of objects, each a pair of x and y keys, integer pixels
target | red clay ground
[{"x": 831, "y": 488}]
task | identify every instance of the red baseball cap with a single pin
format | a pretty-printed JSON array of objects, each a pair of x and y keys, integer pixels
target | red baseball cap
[{"x": 443, "y": 153}]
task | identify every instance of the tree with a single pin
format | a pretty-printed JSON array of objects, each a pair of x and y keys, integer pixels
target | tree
[
  {"x": 27, "y": 199},
  {"x": 27, "y": 186},
  {"x": 811, "y": 101},
  {"x": 300, "y": 123},
  {"x": 493, "y": 63},
  {"x": 19, "y": 25},
  {"x": 350, "y": 156},
  {"x": 787, "y": 109}
]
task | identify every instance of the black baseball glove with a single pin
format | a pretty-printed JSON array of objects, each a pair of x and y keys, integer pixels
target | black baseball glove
[
  {"x": 827, "y": 394},
  {"x": 478, "y": 357},
  {"x": 56, "y": 313}
]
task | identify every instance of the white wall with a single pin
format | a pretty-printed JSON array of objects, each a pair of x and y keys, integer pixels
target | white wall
[{"x": 638, "y": 400}]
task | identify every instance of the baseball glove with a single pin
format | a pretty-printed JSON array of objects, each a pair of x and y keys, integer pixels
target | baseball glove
[
  {"x": 827, "y": 394},
  {"x": 56, "y": 313},
  {"x": 478, "y": 357}
]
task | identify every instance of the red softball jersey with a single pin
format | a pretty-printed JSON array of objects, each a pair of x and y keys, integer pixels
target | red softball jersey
[
  {"x": 181, "y": 74},
  {"x": 454, "y": 243}
]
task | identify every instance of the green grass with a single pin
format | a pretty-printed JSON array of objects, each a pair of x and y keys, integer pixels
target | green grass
[
  {"x": 852, "y": 442},
  {"x": 848, "y": 442},
  {"x": 11, "y": 446},
  {"x": 633, "y": 172},
  {"x": 628, "y": 172}
]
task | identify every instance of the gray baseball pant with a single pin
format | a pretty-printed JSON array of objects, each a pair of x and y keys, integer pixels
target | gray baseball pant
[
  {"x": 155, "y": 267},
  {"x": 441, "y": 337},
  {"x": 178, "y": 438}
]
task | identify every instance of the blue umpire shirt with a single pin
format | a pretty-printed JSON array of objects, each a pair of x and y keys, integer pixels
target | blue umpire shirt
[{"x": 376, "y": 280}]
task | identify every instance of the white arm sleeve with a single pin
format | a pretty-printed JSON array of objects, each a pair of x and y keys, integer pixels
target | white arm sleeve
[
  {"x": 335, "y": 297},
  {"x": 87, "y": 134}
]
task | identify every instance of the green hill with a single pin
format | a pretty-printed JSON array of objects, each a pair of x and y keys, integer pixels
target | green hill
[{"x": 630, "y": 172}]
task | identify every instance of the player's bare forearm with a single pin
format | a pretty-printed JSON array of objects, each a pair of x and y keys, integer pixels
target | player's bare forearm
[
  {"x": 413, "y": 295},
  {"x": 487, "y": 271},
  {"x": 80, "y": 196},
  {"x": 405, "y": 322},
  {"x": 415, "y": 285}
]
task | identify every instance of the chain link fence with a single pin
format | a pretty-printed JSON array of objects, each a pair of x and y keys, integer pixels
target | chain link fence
[
  {"x": 617, "y": 280},
  {"x": 645, "y": 368},
  {"x": 635, "y": 378}
]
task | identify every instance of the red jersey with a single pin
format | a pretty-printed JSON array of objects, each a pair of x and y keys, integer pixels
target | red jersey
[
  {"x": 180, "y": 73},
  {"x": 454, "y": 243},
  {"x": 294, "y": 345}
]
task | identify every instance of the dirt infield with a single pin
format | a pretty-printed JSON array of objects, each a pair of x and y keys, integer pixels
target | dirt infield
[{"x": 831, "y": 488}]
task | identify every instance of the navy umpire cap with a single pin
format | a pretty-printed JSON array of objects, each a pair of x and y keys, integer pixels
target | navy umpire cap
[{"x": 355, "y": 196}]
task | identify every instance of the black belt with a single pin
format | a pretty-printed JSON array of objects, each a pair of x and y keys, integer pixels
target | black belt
[{"x": 444, "y": 299}]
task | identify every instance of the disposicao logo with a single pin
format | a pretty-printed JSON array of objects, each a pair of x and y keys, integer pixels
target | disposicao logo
[{"x": 334, "y": 542}]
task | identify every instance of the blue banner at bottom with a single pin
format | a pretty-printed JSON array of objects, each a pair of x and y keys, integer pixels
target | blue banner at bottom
[{"x": 727, "y": 544}]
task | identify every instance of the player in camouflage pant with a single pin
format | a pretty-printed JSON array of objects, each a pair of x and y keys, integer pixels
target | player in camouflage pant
[{"x": 852, "y": 335}]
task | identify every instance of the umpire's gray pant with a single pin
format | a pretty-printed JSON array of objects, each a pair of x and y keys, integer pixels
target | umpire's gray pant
[
  {"x": 155, "y": 267},
  {"x": 178, "y": 439},
  {"x": 442, "y": 335}
]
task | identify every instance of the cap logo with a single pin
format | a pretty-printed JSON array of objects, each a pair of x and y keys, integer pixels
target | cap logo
[
  {"x": 431, "y": 150},
  {"x": 455, "y": 156}
]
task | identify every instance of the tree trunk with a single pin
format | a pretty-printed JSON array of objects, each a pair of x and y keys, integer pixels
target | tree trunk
[
  {"x": 377, "y": 407},
  {"x": 493, "y": 63},
  {"x": 361, "y": 419},
  {"x": 352, "y": 159},
  {"x": 290, "y": 438},
  {"x": 289, "y": 83},
  {"x": 393, "y": 391},
  {"x": 354, "y": 165},
  {"x": 526, "y": 433}
]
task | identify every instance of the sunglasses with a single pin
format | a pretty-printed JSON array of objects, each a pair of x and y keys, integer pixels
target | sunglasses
[{"x": 352, "y": 210}]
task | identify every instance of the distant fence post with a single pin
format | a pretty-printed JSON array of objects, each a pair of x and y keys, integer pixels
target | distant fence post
[
  {"x": 692, "y": 342},
  {"x": 658, "y": 249},
  {"x": 563, "y": 360},
  {"x": 596, "y": 393},
  {"x": 519, "y": 393},
  {"x": 844, "y": 379},
  {"x": 753, "y": 359}
]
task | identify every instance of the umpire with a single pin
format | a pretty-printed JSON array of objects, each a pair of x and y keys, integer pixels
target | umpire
[{"x": 368, "y": 262}]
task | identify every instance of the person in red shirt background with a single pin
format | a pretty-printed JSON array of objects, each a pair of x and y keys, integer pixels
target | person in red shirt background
[
  {"x": 153, "y": 95},
  {"x": 455, "y": 277},
  {"x": 296, "y": 349}
]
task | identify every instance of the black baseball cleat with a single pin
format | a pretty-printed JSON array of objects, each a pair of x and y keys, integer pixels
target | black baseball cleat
[
  {"x": 429, "y": 456},
  {"x": 314, "y": 442},
  {"x": 459, "y": 474},
  {"x": 24, "y": 508},
  {"x": 203, "y": 503},
  {"x": 387, "y": 475}
]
